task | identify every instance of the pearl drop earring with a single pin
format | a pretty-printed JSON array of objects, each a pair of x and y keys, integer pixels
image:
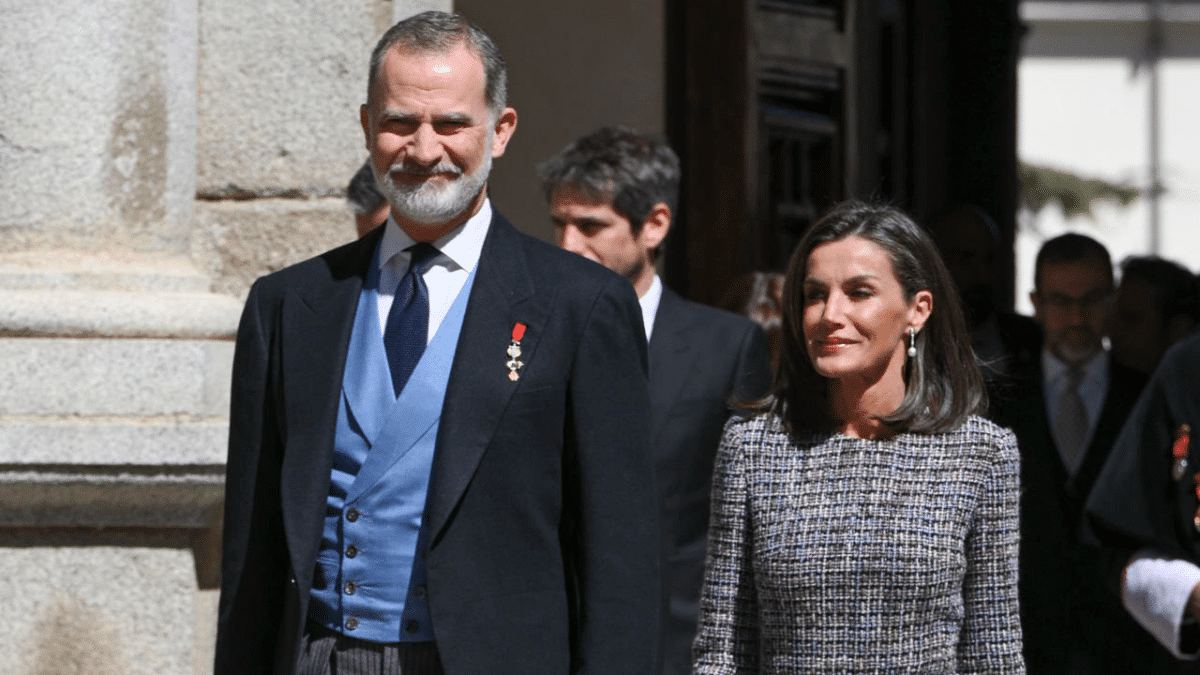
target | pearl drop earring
[{"x": 912, "y": 342}]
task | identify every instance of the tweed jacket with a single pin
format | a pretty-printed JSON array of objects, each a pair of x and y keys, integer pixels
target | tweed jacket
[{"x": 831, "y": 554}]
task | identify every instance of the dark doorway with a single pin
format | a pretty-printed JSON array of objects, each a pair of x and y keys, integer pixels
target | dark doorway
[{"x": 781, "y": 108}]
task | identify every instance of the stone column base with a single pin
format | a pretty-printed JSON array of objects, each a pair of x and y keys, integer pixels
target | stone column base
[{"x": 113, "y": 425}]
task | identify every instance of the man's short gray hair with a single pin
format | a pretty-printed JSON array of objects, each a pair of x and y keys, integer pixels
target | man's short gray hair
[{"x": 439, "y": 32}]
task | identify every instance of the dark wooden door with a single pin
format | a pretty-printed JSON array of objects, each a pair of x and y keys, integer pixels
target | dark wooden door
[
  {"x": 778, "y": 124},
  {"x": 781, "y": 108}
]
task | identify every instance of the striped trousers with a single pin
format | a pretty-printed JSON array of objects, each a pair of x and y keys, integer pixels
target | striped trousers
[{"x": 327, "y": 652}]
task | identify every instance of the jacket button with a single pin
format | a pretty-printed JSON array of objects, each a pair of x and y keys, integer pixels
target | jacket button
[
  {"x": 352, "y": 515},
  {"x": 350, "y": 588},
  {"x": 412, "y": 626},
  {"x": 351, "y": 551},
  {"x": 351, "y": 623}
]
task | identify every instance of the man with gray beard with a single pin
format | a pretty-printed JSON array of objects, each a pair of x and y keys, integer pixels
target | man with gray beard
[
  {"x": 438, "y": 455},
  {"x": 1066, "y": 417}
]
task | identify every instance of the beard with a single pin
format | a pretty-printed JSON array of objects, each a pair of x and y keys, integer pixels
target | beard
[
  {"x": 427, "y": 202},
  {"x": 1075, "y": 344}
]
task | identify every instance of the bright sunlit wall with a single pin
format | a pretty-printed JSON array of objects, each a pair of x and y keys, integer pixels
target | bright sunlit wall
[{"x": 1084, "y": 107}]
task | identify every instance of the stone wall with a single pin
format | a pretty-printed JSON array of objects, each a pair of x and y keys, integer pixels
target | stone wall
[{"x": 155, "y": 157}]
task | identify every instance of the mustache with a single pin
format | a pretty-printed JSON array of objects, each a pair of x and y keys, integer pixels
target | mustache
[{"x": 414, "y": 169}]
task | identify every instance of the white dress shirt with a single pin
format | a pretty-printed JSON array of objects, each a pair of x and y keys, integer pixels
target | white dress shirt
[
  {"x": 459, "y": 250},
  {"x": 649, "y": 303}
]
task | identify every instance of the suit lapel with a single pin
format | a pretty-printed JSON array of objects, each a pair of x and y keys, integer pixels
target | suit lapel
[
  {"x": 316, "y": 321},
  {"x": 479, "y": 389},
  {"x": 670, "y": 354},
  {"x": 1040, "y": 461},
  {"x": 1122, "y": 394}
]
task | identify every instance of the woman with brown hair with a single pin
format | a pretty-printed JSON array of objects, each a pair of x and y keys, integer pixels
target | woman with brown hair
[{"x": 866, "y": 519}]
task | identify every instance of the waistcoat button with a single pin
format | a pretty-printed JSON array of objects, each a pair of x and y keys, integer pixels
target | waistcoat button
[
  {"x": 350, "y": 588},
  {"x": 351, "y": 551},
  {"x": 352, "y": 515},
  {"x": 351, "y": 623}
]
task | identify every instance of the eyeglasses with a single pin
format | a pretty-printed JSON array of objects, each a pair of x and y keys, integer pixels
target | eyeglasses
[{"x": 1061, "y": 302}]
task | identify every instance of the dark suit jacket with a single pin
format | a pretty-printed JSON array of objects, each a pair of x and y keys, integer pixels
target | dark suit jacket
[
  {"x": 1065, "y": 603},
  {"x": 1021, "y": 339},
  {"x": 700, "y": 358},
  {"x": 1137, "y": 502},
  {"x": 543, "y": 544}
]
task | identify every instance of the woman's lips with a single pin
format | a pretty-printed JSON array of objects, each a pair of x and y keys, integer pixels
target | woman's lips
[{"x": 831, "y": 345}]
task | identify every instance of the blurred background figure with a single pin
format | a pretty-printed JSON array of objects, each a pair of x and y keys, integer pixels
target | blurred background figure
[
  {"x": 1006, "y": 344},
  {"x": 759, "y": 297},
  {"x": 1065, "y": 419},
  {"x": 1145, "y": 502},
  {"x": 1156, "y": 305},
  {"x": 366, "y": 201}
]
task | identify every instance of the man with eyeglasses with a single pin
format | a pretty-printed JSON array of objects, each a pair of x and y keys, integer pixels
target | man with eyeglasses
[{"x": 1065, "y": 419}]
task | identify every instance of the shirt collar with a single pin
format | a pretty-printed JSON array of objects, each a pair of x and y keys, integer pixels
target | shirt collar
[
  {"x": 649, "y": 303},
  {"x": 1095, "y": 370},
  {"x": 463, "y": 245}
]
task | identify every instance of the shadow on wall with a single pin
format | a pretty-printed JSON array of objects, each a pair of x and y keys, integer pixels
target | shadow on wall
[{"x": 72, "y": 637}]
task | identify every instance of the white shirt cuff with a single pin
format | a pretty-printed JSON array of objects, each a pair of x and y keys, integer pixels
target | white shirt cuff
[{"x": 1155, "y": 592}]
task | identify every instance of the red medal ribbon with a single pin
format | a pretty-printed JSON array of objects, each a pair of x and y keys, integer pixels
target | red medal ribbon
[
  {"x": 518, "y": 331},
  {"x": 1196, "y": 518},
  {"x": 1182, "y": 437}
]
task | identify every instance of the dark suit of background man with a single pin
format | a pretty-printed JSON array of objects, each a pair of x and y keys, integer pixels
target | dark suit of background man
[
  {"x": 1065, "y": 419},
  {"x": 612, "y": 194},
  {"x": 496, "y": 517}
]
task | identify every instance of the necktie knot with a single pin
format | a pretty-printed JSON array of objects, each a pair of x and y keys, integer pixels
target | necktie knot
[
  {"x": 422, "y": 255},
  {"x": 1074, "y": 377}
]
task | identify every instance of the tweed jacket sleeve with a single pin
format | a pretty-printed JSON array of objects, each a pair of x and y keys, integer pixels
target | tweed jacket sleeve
[
  {"x": 727, "y": 638},
  {"x": 990, "y": 641}
]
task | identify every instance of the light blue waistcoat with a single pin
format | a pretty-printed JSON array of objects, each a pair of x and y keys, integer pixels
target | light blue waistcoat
[{"x": 370, "y": 580}]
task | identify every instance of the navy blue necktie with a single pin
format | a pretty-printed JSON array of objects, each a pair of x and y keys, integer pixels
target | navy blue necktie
[{"x": 408, "y": 320}]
